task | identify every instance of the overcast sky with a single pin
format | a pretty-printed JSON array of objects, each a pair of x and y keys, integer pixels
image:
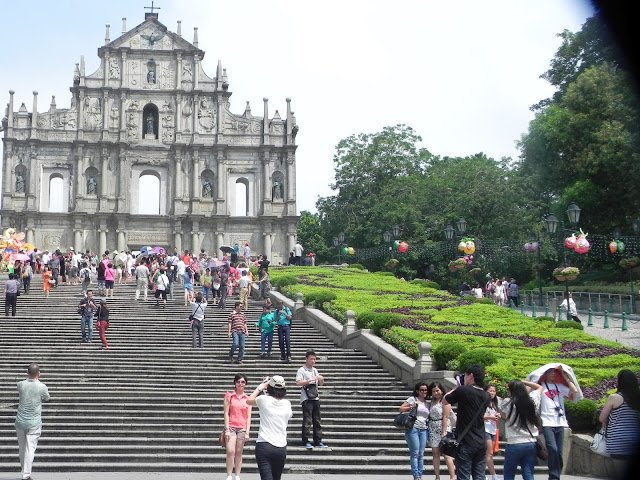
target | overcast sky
[{"x": 462, "y": 73}]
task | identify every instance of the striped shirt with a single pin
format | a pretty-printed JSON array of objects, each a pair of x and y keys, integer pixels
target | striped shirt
[
  {"x": 238, "y": 322},
  {"x": 623, "y": 430}
]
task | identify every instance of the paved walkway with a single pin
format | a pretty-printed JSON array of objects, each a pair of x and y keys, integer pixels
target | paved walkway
[{"x": 221, "y": 476}]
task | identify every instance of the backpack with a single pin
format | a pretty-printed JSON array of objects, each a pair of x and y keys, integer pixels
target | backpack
[{"x": 87, "y": 275}]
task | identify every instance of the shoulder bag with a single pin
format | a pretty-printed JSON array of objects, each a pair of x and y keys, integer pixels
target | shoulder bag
[
  {"x": 599, "y": 443},
  {"x": 541, "y": 443},
  {"x": 450, "y": 443},
  {"x": 406, "y": 419}
]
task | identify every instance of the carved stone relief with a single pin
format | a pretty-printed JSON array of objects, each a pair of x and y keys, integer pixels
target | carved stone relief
[
  {"x": 206, "y": 115},
  {"x": 134, "y": 70},
  {"x": 114, "y": 68},
  {"x": 92, "y": 113},
  {"x": 187, "y": 111}
]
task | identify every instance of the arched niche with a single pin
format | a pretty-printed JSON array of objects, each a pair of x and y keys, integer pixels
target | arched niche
[
  {"x": 21, "y": 180},
  {"x": 150, "y": 120},
  {"x": 207, "y": 184},
  {"x": 56, "y": 193},
  {"x": 242, "y": 198},
  {"x": 91, "y": 176},
  {"x": 277, "y": 186}
]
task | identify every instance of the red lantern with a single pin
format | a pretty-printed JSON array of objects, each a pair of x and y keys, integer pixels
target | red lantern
[
  {"x": 403, "y": 247},
  {"x": 582, "y": 245},
  {"x": 613, "y": 246}
]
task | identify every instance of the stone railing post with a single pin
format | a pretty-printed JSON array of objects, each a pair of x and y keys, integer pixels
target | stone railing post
[
  {"x": 349, "y": 324},
  {"x": 299, "y": 303},
  {"x": 424, "y": 363}
]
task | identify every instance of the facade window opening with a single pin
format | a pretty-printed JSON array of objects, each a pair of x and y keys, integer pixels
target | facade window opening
[
  {"x": 242, "y": 198},
  {"x": 56, "y": 194},
  {"x": 149, "y": 195}
]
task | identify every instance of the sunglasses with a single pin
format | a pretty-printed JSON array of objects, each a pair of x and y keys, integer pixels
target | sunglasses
[{"x": 423, "y": 390}]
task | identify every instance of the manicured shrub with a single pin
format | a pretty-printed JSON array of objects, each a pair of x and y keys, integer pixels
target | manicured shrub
[
  {"x": 569, "y": 324},
  {"x": 426, "y": 283},
  {"x": 357, "y": 266},
  {"x": 477, "y": 356},
  {"x": 378, "y": 321},
  {"x": 316, "y": 299},
  {"x": 445, "y": 352},
  {"x": 407, "y": 346},
  {"x": 582, "y": 415},
  {"x": 284, "y": 280},
  {"x": 546, "y": 319},
  {"x": 484, "y": 300},
  {"x": 334, "y": 311}
]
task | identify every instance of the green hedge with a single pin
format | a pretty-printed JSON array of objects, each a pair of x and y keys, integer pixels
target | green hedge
[
  {"x": 582, "y": 415},
  {"x": 569, "y": 324},
  {"x": 446, "y": 352}
]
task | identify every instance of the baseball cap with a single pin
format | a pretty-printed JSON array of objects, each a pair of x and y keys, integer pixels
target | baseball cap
[{"x": 277, "y": 382}]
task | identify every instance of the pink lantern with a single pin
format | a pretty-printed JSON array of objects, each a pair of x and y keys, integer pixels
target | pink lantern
[
  {"x": 403, "y": 247},
  {"x": 613, "y": 246},
  {"x": 527, "y": 247},
  {"x": 570, "y": 242}
]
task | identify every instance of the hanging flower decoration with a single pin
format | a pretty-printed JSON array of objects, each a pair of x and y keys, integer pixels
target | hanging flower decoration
[
  {"x": 403, "y": 247},
  {"x": 563, "y": 274},
  {"x": 629, "y": 263},
  {"x": 468, "y": 259},
  {"x": 457, "y": 264},
  {"x": 392, "y": 264},
  {"x": 531, "y": 247}
]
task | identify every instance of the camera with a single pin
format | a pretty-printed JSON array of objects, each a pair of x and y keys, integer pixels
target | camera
[
  {"x": 559, "y": 412},
  {"x": 460, "y": 379}
]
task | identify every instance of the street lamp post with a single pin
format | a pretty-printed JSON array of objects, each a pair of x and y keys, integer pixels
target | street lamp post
[
  {"x": 551, "y": 224},
  {"x": 337, "y": 242}
]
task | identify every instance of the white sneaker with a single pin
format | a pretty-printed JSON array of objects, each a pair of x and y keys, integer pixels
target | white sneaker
[{"x": 229, "y": 477}]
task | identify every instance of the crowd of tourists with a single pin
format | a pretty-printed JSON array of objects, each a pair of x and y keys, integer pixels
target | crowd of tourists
[{"x": 534, "y": 418}]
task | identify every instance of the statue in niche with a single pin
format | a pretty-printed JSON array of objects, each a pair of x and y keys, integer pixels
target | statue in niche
[
  {"x": 149, "y": 124},
  {"x": 151, "y": 76},
  {"x": 92, "y": 185},
  {"x": 276, "y": 191},
  {"x": 19, "y": 182},
  {"x": 207, "y": 188}
]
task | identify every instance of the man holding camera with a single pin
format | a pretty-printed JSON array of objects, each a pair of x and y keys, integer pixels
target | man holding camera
[
  {"x": 308, "y": 379},
  {"x": 471, "y": 399}
]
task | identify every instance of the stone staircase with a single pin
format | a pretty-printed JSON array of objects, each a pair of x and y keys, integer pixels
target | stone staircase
[{"x": 153, "y": 403}]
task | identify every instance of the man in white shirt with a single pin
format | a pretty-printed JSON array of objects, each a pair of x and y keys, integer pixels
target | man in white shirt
[
  {"x": 142, "y": 280},
  {"x": 297, "y": 253},
  {"x": 244, "y": 284},
  {"x": 308, "y": 379},
  {"x": 162, "y": 283}
]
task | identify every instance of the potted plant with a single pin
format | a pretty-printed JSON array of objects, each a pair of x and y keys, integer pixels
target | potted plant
[
  {"x": 563, "y": 274},
  {"x": 457, "y": 264}
]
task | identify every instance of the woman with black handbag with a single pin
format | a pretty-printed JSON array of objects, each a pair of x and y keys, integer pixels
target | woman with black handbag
[
  {"x": 418, "y": 434},
  {"x": 521, "y": 420}
]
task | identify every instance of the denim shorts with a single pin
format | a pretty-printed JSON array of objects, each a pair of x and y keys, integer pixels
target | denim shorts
[{"x": 490, "y": 436}]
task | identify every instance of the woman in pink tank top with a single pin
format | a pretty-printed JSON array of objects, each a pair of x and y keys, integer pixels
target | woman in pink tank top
[{"x": 237, "y": 423}]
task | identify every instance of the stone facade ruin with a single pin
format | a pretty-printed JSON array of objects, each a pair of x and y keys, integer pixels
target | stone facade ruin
[{"x": 150, "y": 111}]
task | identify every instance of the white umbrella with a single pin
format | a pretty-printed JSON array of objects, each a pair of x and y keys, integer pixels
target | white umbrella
[{"x": 538, "y": 372}]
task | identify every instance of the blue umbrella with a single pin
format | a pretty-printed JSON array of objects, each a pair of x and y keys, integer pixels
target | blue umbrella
[{"x": 146, "y": 249}]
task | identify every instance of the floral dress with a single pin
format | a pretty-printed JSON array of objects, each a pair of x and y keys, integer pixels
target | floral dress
[{"x": 435, "y": 424}]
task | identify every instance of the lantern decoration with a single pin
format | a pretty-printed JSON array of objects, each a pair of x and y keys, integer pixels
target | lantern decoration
[
  {"x": 620, "y": 246},
  {"x": 351, "y": 251},
  {"x": 531, "y": 247},
  {"x": 467, "y": 246},
  {"x": 396, "y": 244},
  {"x": 403, "y": 247},
  {"x": 344, "y": 251},
  {"x": 582, "y": 245},
  {"x": 11, "y": 244},
  {"x": 468, "y": 259},
  {"x": 613, "y": 246},
  {"x": 570, "y": 242}
]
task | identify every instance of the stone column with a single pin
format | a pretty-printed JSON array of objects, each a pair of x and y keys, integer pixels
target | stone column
[
  {"x": 267, "y": 244},
  {"x": 178, "y": 112},
  {"x": 194, "y": 119},
  {"x": 266, "y": 186},
  {"x": 104, "y": 177},
  {"x": 178, "y": 177},
  {"x": 77, "y": 240},
  {"x": 30, "y": 235},
  {"x": 34, "y": 115},
  {"x": 122, "y": 243},
  {"x": 195, "y": 244},
  {"x": 291, "y": 241},
  {"x": 10, "y": 117},
  {"x": 195, "y": 176},
  {"x": 105, "y": 112},
  {"x": 102, "y": 245},
  {"x": 80, "y": 167},
  {"x": 81, "y": 115},
  {"x": 291, "y": 177},
  {"x": 177, "y": 240},
  {"x": 123, "y": 116},
  {"x": 219, "y": 243},
  {"x": 196, "y": 69}
]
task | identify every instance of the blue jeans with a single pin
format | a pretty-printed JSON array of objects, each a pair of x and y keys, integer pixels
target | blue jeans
[
  {"x": 471, "y": 462},
  {"x": 86, "y": 326},
  {"x": 266, "y": 340},
  {"x": 205, "y": 292},
  {"x": 417, "y": 441},
  {"x": 284, "y": 340},
  {"x": 523, "y": 454},
  {"x": 237, "y": 342},
  {"x": 270, "y": 460},
  {"x": 554, "y": 438}
]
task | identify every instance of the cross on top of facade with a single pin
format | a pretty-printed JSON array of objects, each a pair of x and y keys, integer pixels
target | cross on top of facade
[{"x": 152, "y": 7}]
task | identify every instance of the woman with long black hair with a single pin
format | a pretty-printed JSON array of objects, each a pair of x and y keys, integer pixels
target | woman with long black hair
[
  {"x": 521, "y": 421},
  {"x": 620, "y": 417}
]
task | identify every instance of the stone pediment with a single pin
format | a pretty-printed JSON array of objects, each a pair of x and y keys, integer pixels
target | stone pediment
[{"x": 152, "y": 35}]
